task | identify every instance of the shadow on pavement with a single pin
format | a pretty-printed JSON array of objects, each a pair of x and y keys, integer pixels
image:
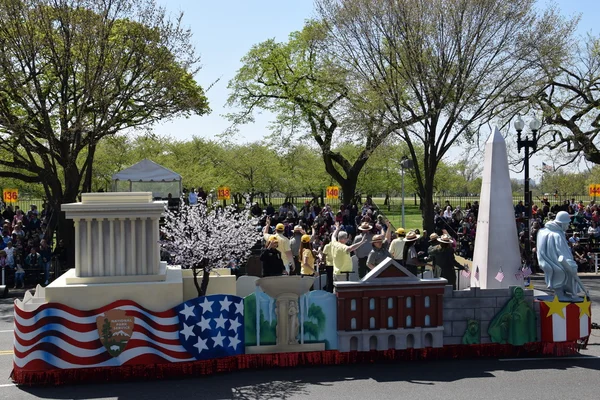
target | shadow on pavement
[{"x": 285, "y": 383}]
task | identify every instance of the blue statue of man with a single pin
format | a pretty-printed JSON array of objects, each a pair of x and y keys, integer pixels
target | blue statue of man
[{"x": 556, "y": 260}]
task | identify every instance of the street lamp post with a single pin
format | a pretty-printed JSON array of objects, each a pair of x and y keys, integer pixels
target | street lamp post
[
  {"x": 405, "y": 163},
  {"x": 527, "y": 144}
]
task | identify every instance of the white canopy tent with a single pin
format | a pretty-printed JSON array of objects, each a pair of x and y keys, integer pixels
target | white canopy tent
[{"x": 148, "y": 176}]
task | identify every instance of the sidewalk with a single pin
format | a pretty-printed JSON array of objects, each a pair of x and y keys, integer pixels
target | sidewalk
[
  {"x": 19, "y": 293},
  {"x": 583, "y": 275}
]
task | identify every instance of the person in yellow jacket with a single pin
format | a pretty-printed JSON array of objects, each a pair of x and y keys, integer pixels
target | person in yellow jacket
[
  {"x": 307, "y": 257},
  {"x": 340, "y": 253}
]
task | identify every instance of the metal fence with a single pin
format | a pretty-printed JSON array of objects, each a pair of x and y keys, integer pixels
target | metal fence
[
  {"x": 396, "y": 202},
  {"x": 25, "y": 204},
  {"x": 393, "y": 203}
]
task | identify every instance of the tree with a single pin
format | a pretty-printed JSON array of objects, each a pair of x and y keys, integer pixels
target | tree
[
  {"x": 201, "y": 238},
  {"x": 570, "y": 101},
  {"x": 73, "y": 72},
  {"x": 457, "y": 63},
  {"x": 310, "y": 92}
]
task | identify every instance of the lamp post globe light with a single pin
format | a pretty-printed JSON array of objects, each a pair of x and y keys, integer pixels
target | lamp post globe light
[
  {"x": 527, "y": 144},
  {"x": 405, "y": 163}
]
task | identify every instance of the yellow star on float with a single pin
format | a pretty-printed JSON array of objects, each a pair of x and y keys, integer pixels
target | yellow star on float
[
  {"x": 585, "y": 307},
  {"x": 556, "y": 307}
]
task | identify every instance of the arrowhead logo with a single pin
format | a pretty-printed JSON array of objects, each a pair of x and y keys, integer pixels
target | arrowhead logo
[{"x": 115, "y": 328}]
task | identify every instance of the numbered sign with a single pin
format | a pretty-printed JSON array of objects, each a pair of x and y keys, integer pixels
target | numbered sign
[
  {"x": 10, "y": 195},
  {"x": 594, "y": 190},
  {"x": 223, "y": 193},
  {"x": 333, "y": 192}
]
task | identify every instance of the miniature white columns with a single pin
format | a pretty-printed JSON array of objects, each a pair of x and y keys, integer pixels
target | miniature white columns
[
  {"x": 154, "y": 261},
  {"x": 78, "y": 271},
  {"x": 112, "y": 259},
  {"x": 116, "y": 234}
]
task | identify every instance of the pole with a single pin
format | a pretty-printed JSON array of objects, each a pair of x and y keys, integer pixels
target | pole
[
  {"x": 527, "y": 204},
  {"x": 402, "y": 196}
]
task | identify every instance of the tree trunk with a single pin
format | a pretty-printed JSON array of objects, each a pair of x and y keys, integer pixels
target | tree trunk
[
  {"x": 348, "y": 190},
  {"x": 204, "y": 284},
  {"x": 427, "y": 208}
]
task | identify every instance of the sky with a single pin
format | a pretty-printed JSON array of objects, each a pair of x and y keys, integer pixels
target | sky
[{"x": 224, "y": 31}]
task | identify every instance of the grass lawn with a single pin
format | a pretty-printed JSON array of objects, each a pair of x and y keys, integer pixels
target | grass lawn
[{"x": 412, "y": 217}]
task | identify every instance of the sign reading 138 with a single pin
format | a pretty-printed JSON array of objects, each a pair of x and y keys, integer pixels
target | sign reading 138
[
  {"x": 223, "y": 193},
  {"x": 10, "y": 195}
]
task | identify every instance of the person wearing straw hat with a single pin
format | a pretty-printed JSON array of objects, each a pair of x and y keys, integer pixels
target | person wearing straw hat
[
  {"x": 272, "y": 265},
  {"x": 283, "y": 246},
  {"x": 397, "y": 246},
  {"x": 362, "y": 252},
  {"x": 433, "y": 242},
  {"x": 443, "y": 258},
  {"x": 340, "y": 253},
  {"x": 380, "y": 250},
  {"x": 410, "y": 255}
]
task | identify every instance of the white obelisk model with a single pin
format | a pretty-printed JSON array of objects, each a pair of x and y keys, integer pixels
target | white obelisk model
[{"x": 496, "y": 242}]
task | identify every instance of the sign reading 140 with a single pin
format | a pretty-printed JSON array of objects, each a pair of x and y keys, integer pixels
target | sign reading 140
[
  {"x": 333, "y": 192},
  {"x": 10, "y": 195}
]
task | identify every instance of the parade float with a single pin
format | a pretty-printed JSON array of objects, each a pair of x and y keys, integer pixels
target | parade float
[{"x": 122, "y": 314}]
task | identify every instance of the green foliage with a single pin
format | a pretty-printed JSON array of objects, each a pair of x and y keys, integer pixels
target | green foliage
[{"x": 73, "y": 72}]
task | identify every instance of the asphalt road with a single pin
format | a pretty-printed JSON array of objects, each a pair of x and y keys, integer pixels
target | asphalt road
[{"x": 573, "y": 377}]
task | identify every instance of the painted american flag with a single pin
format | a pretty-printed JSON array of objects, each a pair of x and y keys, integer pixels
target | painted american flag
[
  {"x": 212, "y": 326},
  {"x": 572, "y": 322},
  {"x": 57, "y": 336}
]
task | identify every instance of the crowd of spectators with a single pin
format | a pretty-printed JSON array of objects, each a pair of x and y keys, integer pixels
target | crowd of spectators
[
  {"x": 318, "y": 239},
  {"x": 25, "y": 246},
  {"x": 583, "y": 234}
]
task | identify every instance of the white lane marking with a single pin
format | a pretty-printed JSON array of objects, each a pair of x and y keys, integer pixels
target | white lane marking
[
  {"x": 7, "y": 331},
  {"x": 8, "y": 385},
  {"x": 551, "y": 358}
]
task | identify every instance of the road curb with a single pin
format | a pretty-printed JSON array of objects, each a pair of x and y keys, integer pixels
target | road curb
[{"x": 582, "y": 276}]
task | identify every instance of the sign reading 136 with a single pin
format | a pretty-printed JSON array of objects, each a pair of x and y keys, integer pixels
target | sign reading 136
[{"x": 10, "y": 195}]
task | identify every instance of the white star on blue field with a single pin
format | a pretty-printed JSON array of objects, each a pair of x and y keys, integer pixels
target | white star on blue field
[{"x": 212, "y": 326}]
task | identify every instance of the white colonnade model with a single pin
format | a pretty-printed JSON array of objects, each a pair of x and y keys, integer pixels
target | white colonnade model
[
  {"x": 116, "y": 238},
  {"x": 117, "y": 256}
]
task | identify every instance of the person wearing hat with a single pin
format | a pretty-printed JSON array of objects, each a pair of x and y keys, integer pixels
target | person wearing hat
[
  {"x": 283, "y": 245},
  {"x": 362, "y": 252},
  {"x": 410, "y": 254},
  {"x": 397, "y": 246},
  {"x": 272, "y": 265},
  {"x": 295, "y": 247},
  {"x": 380, "y": 245},
  {"x": 443, "y": 259},
  {"x": 433, "y": 243},
  {"x": 340, "y": 253},
  {"x": 307, "y": 256}
]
